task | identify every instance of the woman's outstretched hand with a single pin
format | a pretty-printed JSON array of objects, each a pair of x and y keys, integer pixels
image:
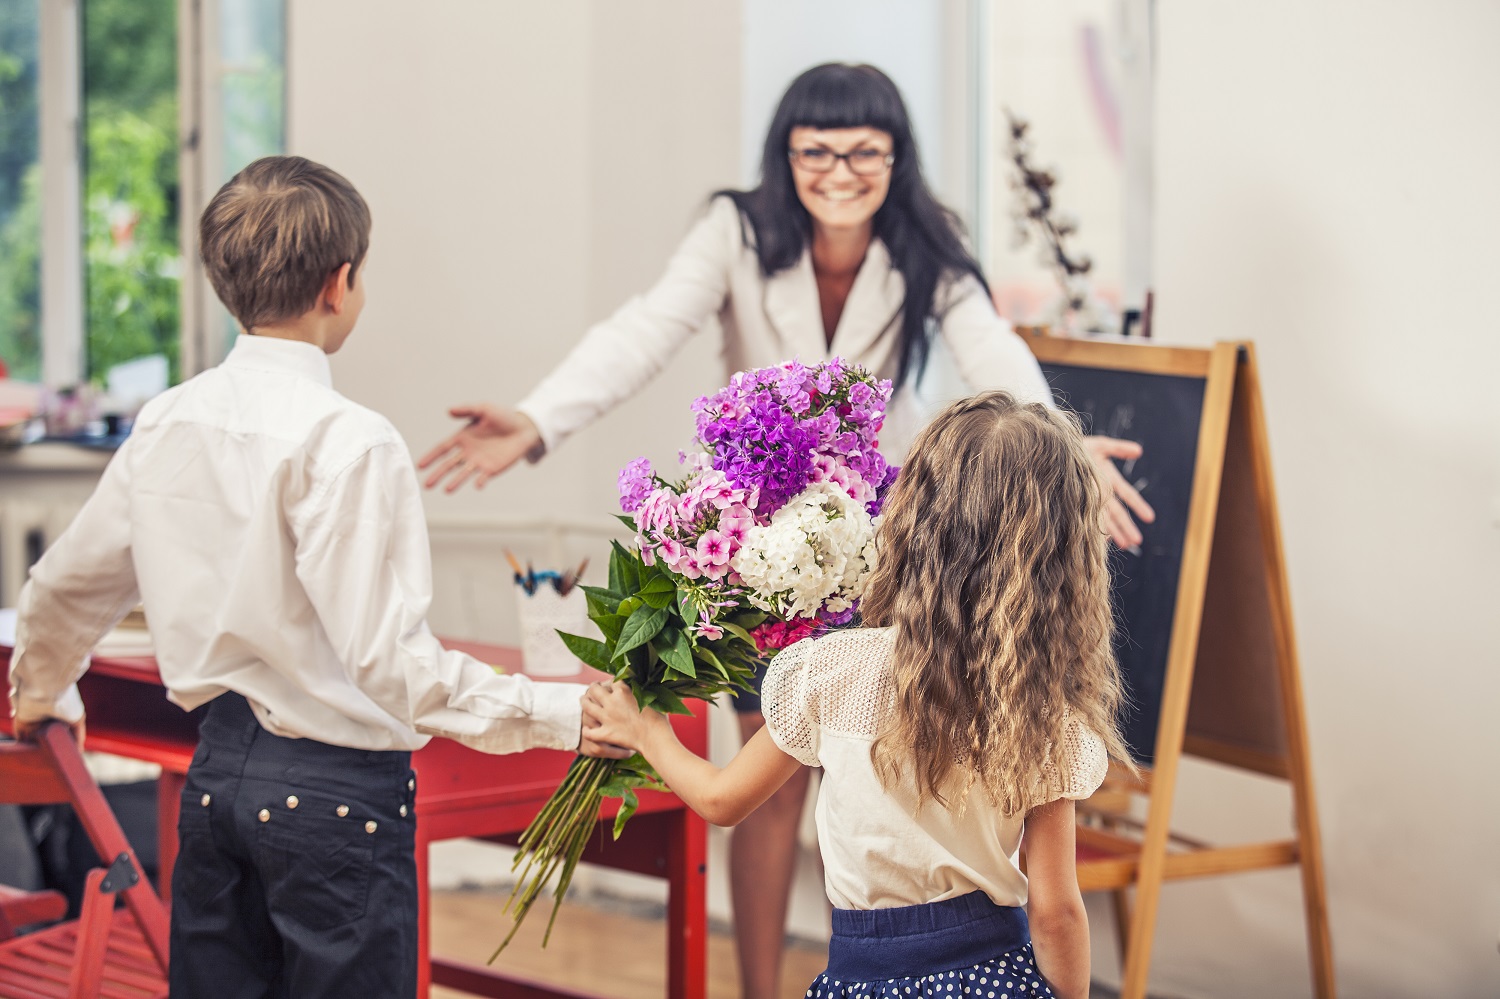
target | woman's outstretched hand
[
  {"x": 493, "y": 440},
  {"x": 1117, "y": 521}
]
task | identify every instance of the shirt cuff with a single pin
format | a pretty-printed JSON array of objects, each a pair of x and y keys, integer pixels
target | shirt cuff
[
  {"x": 549, "y": 439},
  {"x": 557, "y": 710},
  {"x": 68, "y": 707}
]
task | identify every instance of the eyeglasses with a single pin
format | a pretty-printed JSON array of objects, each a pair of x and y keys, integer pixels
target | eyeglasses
[{"x": 862, "y": 162}]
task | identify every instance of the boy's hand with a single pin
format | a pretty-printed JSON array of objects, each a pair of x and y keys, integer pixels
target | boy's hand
[
  {"x": 27, "y": 731},
  {"x": 611, "y": 715},
  {"x": 493, "y": 440},
  {"x": 589, "y": 746}
]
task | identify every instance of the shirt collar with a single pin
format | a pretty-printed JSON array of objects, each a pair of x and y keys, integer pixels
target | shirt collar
[{"x": 269, "y": 353}]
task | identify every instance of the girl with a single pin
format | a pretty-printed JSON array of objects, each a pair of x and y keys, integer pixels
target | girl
[
  {"x": 840, "y": 250},
  {"x": 980, "y": 696}
]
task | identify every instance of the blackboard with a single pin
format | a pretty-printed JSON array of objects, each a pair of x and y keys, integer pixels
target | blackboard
[{"x": 1161, "y": 412}]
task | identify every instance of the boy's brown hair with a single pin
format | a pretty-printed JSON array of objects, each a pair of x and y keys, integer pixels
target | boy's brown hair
[{"x": 274, "y": 234}]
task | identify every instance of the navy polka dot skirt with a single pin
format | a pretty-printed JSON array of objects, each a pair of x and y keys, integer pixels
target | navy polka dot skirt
[{"x": 965, "y": 946}]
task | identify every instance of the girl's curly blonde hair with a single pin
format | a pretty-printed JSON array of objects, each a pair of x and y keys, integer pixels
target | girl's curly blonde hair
[{"x": 991, "y": 567}]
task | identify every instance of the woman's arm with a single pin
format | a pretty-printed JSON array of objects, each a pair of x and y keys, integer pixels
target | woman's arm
[
  {"x": 723, "y": 796},
  {"x": 1059, "y": 924},
  {"x": 990, "y": 355},
  {"x": 613, "y": 361}
]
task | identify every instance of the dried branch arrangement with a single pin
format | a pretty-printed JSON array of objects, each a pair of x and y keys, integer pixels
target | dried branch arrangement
[{"x": 1036, "y": 216}]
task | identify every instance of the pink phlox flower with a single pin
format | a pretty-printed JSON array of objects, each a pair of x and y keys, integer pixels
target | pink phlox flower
[
  {"x": 707, "y": 629},
  {"x": 671, "y": 549},
  {"x": 714, "y": 548},
  {"x": 735, "y": 521},
  {"x": 648, "y": 554}
]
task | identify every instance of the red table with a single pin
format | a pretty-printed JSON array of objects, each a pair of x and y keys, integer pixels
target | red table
[{"x": 460, "y": 793}]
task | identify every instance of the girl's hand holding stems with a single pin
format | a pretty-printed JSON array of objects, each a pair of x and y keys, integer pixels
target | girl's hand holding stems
[{"x": 723, "y": 796}]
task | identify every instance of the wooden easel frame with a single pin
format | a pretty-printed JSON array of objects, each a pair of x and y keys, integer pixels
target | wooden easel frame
[{"x": 1232, "y": 426}]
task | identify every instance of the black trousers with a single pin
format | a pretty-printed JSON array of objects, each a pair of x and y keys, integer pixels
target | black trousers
[{"x": 296, "y": 875}]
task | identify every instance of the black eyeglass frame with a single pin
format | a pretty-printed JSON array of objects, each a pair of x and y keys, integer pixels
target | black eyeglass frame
[{"x": 886, "y": 162}]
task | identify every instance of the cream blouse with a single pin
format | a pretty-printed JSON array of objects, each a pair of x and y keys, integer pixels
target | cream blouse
[
  {"x": 824, "y": 700},
  {"x": 767, "y": 321}
]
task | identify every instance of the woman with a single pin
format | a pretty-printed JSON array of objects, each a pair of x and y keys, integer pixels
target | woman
[{"x": 842, "y": 250}]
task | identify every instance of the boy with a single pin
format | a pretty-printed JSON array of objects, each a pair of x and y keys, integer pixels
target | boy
[{"x": 274, "y": 531}]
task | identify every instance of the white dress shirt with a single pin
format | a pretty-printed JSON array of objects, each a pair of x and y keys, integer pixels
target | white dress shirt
[
  {"x": 767, "y": 321},
  {"x": 825, "y": 701},
  {"x": 274, "y": 532}
]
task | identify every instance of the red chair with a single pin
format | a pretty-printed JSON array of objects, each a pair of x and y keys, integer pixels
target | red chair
[{"x": 119, "y": 955}]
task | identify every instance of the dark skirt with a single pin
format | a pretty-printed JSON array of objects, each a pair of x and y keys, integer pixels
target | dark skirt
[{"x": 965, "y": 946}]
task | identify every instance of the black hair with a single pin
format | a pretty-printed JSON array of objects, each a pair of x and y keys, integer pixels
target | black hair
[{"x": 923, "y": 237}]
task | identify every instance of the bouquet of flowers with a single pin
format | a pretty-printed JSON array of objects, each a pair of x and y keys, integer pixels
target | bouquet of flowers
[{"x": 767, "y": 537}]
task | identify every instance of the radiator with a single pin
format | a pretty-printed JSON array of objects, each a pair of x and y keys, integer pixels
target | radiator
[{"x": 27, "y": 527}]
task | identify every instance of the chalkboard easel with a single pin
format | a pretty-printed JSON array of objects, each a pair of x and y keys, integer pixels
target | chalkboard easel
[{"x": 1207, "y": 644}]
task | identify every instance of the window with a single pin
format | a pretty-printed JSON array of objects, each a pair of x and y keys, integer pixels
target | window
[
  {"x": 20, "y": 191},
  {"x": 99, "y": 189}
]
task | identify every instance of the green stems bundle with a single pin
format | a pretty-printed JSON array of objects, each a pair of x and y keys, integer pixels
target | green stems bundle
[{"x": 671, "y": 642}]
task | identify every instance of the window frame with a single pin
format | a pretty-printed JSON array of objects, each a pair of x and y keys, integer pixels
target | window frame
[{"x": 200, "y": 72}]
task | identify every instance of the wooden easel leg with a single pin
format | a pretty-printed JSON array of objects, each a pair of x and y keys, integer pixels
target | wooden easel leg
[
  {"x": 1213, "y": 433},
  {"x": 1309, "y": 838}
]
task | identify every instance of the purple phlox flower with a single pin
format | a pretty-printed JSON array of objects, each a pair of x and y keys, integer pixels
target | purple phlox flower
[
  {"x": 824, "y": 381},
  {"x": 636, "y": 482},
  {"x": 842, "y": 618}
]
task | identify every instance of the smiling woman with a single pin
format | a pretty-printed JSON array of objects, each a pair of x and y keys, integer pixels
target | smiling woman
[{"x": 840, "y": 251}]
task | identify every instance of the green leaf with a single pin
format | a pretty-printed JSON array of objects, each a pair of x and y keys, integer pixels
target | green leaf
[
  {"x": 590, "y": 650},
  {"x": 627, "y": 520},
  {"x": 640, "y": 628},
  {"x": 687, "y": 606},
  {"x": 601, "y": 601},
  {"x": 738, "y": 632},
  {"x": 661, "y": 601},
  {"x": 658, "y": 584},
  {"x": 679, "y": 654},
  {"x": 611, "y": 625},
  {"x": 624, "y": 569},
  {"x": 628, "y": 804},
  {"x": 668, "y": 702}
]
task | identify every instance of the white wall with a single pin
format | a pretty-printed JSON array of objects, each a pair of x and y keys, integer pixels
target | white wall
[
  {"x": 1327, "y": 188},
  {"x": 528, "y": 167}
]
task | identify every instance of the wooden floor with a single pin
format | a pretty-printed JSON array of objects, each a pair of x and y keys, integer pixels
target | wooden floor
[{"x": 611, "y": 950}]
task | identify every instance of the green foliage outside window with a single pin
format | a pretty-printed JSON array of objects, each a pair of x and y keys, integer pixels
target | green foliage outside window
[
  {"x": 132, "y": 257},
  {"x": 131, "y": 254}
]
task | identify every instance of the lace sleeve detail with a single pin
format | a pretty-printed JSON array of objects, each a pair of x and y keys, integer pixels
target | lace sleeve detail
[
  {"x": 1088, "y": 763},
  {"x": 791, "y": 716}
]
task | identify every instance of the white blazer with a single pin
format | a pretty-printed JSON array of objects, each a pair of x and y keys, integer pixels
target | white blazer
[{"x": 770, "y": 320}]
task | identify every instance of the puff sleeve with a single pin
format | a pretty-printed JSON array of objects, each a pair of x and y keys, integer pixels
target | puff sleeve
[
  {"x": 1088, "y": 762},
  {"x": 786, "y": 698}
]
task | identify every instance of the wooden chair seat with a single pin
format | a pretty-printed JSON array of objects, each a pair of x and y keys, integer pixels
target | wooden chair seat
[{"x": 41, "y": 964}]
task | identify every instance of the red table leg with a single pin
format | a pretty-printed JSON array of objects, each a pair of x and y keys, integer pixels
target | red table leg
[
  {"x": 168, "y": 803},
  {"x": 687, "y": 907},
  {"x": 424, "y": 920}
]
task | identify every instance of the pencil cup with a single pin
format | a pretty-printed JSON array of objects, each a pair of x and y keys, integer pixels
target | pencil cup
[{"x": 543, "y": 614}]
